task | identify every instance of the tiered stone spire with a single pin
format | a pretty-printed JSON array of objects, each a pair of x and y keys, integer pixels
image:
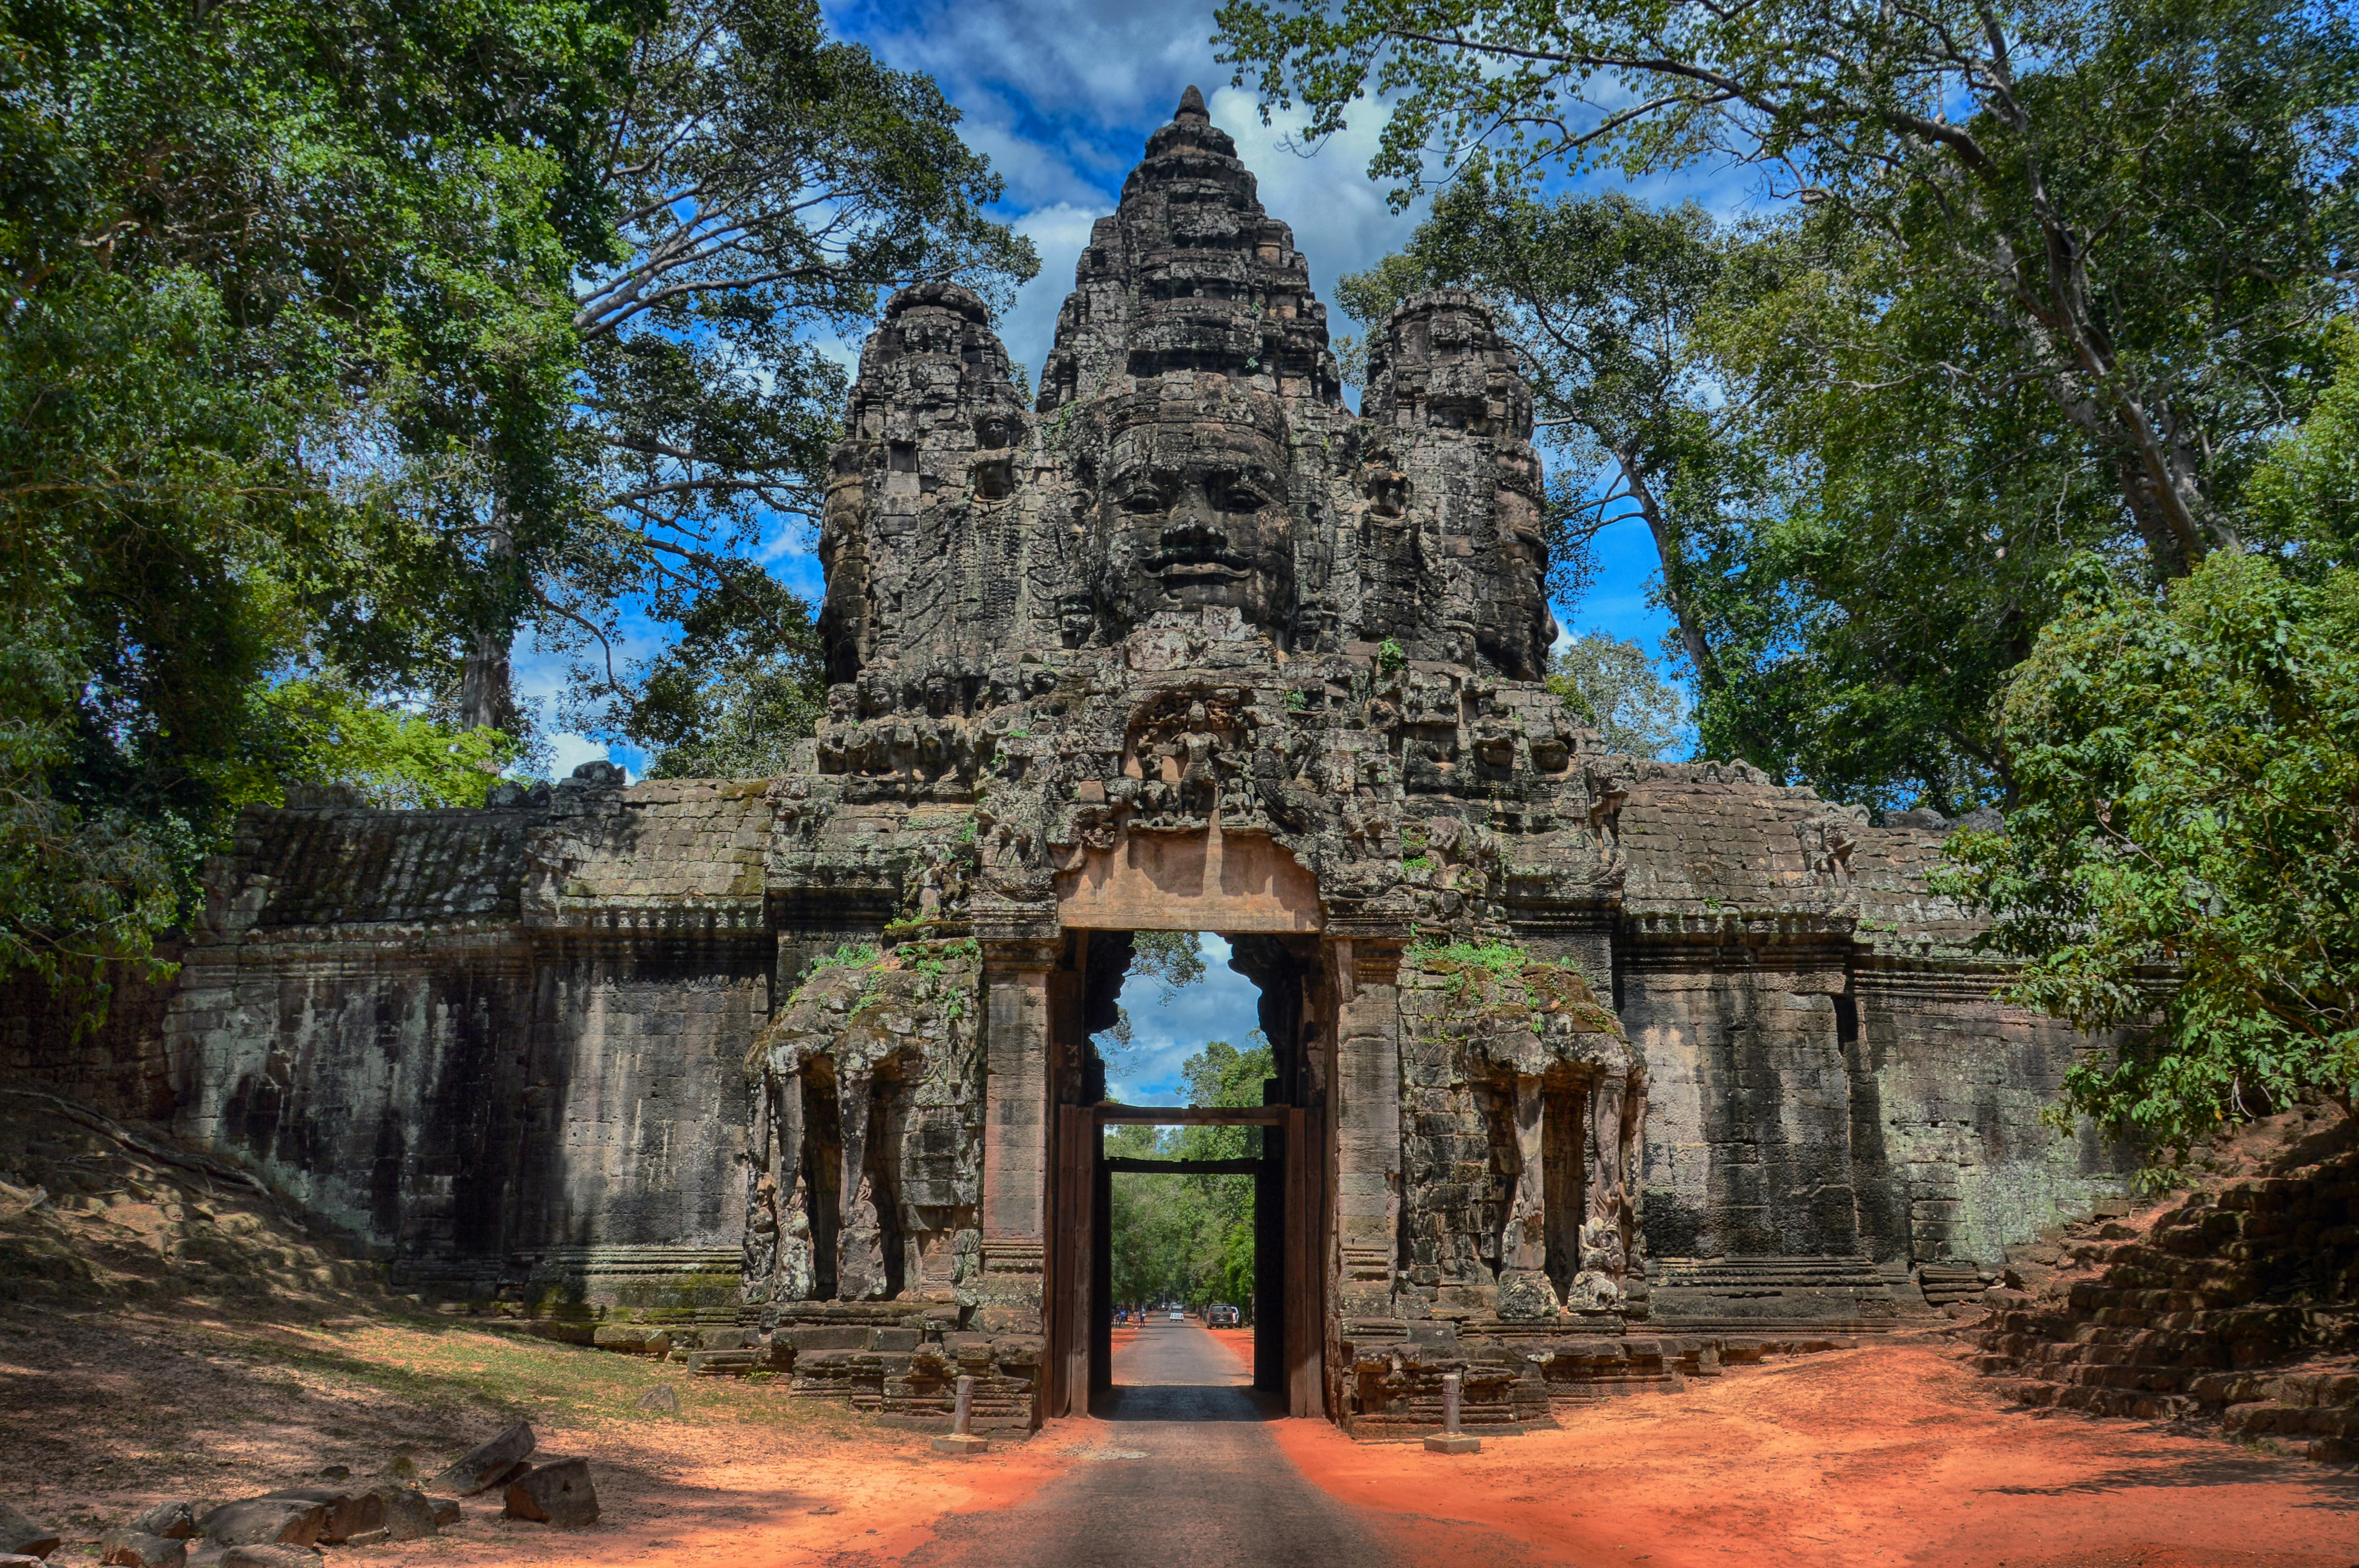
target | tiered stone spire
[{"x": 1190, "y": 273}]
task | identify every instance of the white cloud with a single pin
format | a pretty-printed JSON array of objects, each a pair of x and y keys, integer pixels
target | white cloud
[
  {"x": 1224, "y": 1005},
  {"x": 1061, "y": 231},
  {"x": 1340, "y": 220}
]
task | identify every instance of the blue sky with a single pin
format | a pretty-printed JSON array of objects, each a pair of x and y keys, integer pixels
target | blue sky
[{"x": 1224, "y": 1005}]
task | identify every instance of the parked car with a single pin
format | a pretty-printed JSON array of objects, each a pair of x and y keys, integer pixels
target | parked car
[{"x": 1221, "y": 1316}]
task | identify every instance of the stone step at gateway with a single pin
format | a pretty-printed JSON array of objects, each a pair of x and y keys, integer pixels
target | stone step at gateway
[{"x": 1767, "y": 1292}]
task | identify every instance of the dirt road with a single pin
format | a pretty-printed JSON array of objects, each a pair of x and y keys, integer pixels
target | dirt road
[{"x": 1181, "y": 1471}]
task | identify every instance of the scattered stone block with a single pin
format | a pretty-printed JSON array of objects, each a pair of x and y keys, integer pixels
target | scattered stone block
[
  {"x": 559, "y": 1493},
  {"x": 266, "y": 1522},
  {"x": 663, "y": 1399},
  {"x": 174, "y": 1522},
  {"x": 408, "y": 1513},
  {"x": 961, "y": 1445},
  {"x": 265, "y": 1556},
  {"x": 1454, "y": 1443},
  {"x": 494, "y": 1463},
  {"x": 350, "y": 1512},
  {"x": 131, "y": 1548},
  {"x": 447, "y": 1513},
  {"x": 633, "y": 1339},
  {"x": 23, "y": 1536}
]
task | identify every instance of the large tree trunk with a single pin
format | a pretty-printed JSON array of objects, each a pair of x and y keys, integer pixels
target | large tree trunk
[
  {"x": 487, "y": 696},
  {"x": 486, "y": 693}
]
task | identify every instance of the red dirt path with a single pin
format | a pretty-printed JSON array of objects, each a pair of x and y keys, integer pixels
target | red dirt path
[{"x": 1888, "y": 1456}]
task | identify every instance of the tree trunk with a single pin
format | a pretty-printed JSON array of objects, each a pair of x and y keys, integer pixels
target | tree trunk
[
  {"x": 486, "y": 698},
  {"x": 486, "y": 693}
]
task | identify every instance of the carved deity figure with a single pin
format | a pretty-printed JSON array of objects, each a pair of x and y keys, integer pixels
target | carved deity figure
[{"x": 1195, "y": 748}]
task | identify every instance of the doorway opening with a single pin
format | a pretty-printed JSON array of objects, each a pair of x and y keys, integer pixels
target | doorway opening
[
  {"x": 1218, "y": 1198},
  {"x": 1188, "y": 1313}
]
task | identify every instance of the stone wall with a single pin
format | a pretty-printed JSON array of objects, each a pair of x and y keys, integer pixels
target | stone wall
[
  {"x": 118, "y": 1066},
  {"x": 502, "y": 1047}
]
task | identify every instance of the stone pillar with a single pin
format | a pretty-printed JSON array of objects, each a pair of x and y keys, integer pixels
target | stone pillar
[
  {"x": 1367, "y": 1122},
  {"x": 859, "y": 1237},
  {"x": 1524, "y": 1288},
  {"x": 1614, "y": 1124},
  {"x": 777, "y": 1221},
  {"x": 1015, "y": 1133}
]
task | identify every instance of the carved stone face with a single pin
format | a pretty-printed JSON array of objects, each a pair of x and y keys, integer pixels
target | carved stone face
[
  {"x": 1193, "y": 511},
  {"x": 1519, "y": 639}
]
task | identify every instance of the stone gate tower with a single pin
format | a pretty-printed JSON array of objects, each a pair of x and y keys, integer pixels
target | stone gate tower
[{"x": 1584, "y": 1062}]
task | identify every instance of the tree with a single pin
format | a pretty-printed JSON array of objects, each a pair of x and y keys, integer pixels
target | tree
[
  {"x": 277, "y": 276},
  {"x": 1173, "y": 960},
  {"x": 1612, "y": 686},
  {"x": 2141, "y": 200},
  {"x": 743, "y": 684},
  {"x": 767, "y": 180},
  {"x": 1191, "y": 1237},
  {"x": 2182, "y": 859}
]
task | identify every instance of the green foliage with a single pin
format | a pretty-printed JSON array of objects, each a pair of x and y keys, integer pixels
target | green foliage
[
  {"x": 1474, "y": 968},
  {"x": 2184, "y": 847},
  {"x": 2113, "y": 133},
  {"x": 285, "y": 283},
  {"x": 2304, "y": 493},
  {"x": 2043, "y": 277},
  {"x": 1613, "y": 685},
  {"x": 82, "y": 887},
  {"x": 1390, "y": 659},
  {"x": 323, "y": 731},
  {"x": 768, "y": 179},
  {"x": 1173, "y": 960},
  {"x": 1191, "y": 1239},
  {"x": 342, "y": 338},
  {"x": 740, "y": 688},
  {"x": 849, "y": 956}
]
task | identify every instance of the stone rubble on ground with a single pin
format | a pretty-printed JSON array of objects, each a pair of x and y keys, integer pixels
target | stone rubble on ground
[
  {"x": 130, "y": 1549},
  {"x": 2233, "y": 1305},
  {"x": 558, "y": 1493},
  {"x": 493, "y": 1464},
  {"x": 265, "y": 1521},
  {"x": 173, "y": 1521}
]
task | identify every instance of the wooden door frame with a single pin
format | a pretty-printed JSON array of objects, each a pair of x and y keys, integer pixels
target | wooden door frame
[{"x": 1071, "y": 1297}]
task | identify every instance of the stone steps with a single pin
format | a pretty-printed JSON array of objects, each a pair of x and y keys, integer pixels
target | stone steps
[{"x": 2218, "y": 1310}]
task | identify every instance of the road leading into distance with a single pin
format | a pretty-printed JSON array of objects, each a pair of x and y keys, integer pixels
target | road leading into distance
[{"x": 1181, "y": 1473}]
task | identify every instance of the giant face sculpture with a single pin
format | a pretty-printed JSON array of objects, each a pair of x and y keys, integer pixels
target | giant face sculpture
[
  {"x": 1519, "y": 633},
  {"x": 1194, "y": 510}
]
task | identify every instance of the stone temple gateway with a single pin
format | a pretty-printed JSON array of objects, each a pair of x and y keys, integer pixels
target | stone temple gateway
[{"x": 1585, "y": 1064}]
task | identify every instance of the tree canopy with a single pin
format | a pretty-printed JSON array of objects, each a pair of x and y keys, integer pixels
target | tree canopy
[
  {"x": 345, "y": 340},
  {"x": 2181, "y": 861}
]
